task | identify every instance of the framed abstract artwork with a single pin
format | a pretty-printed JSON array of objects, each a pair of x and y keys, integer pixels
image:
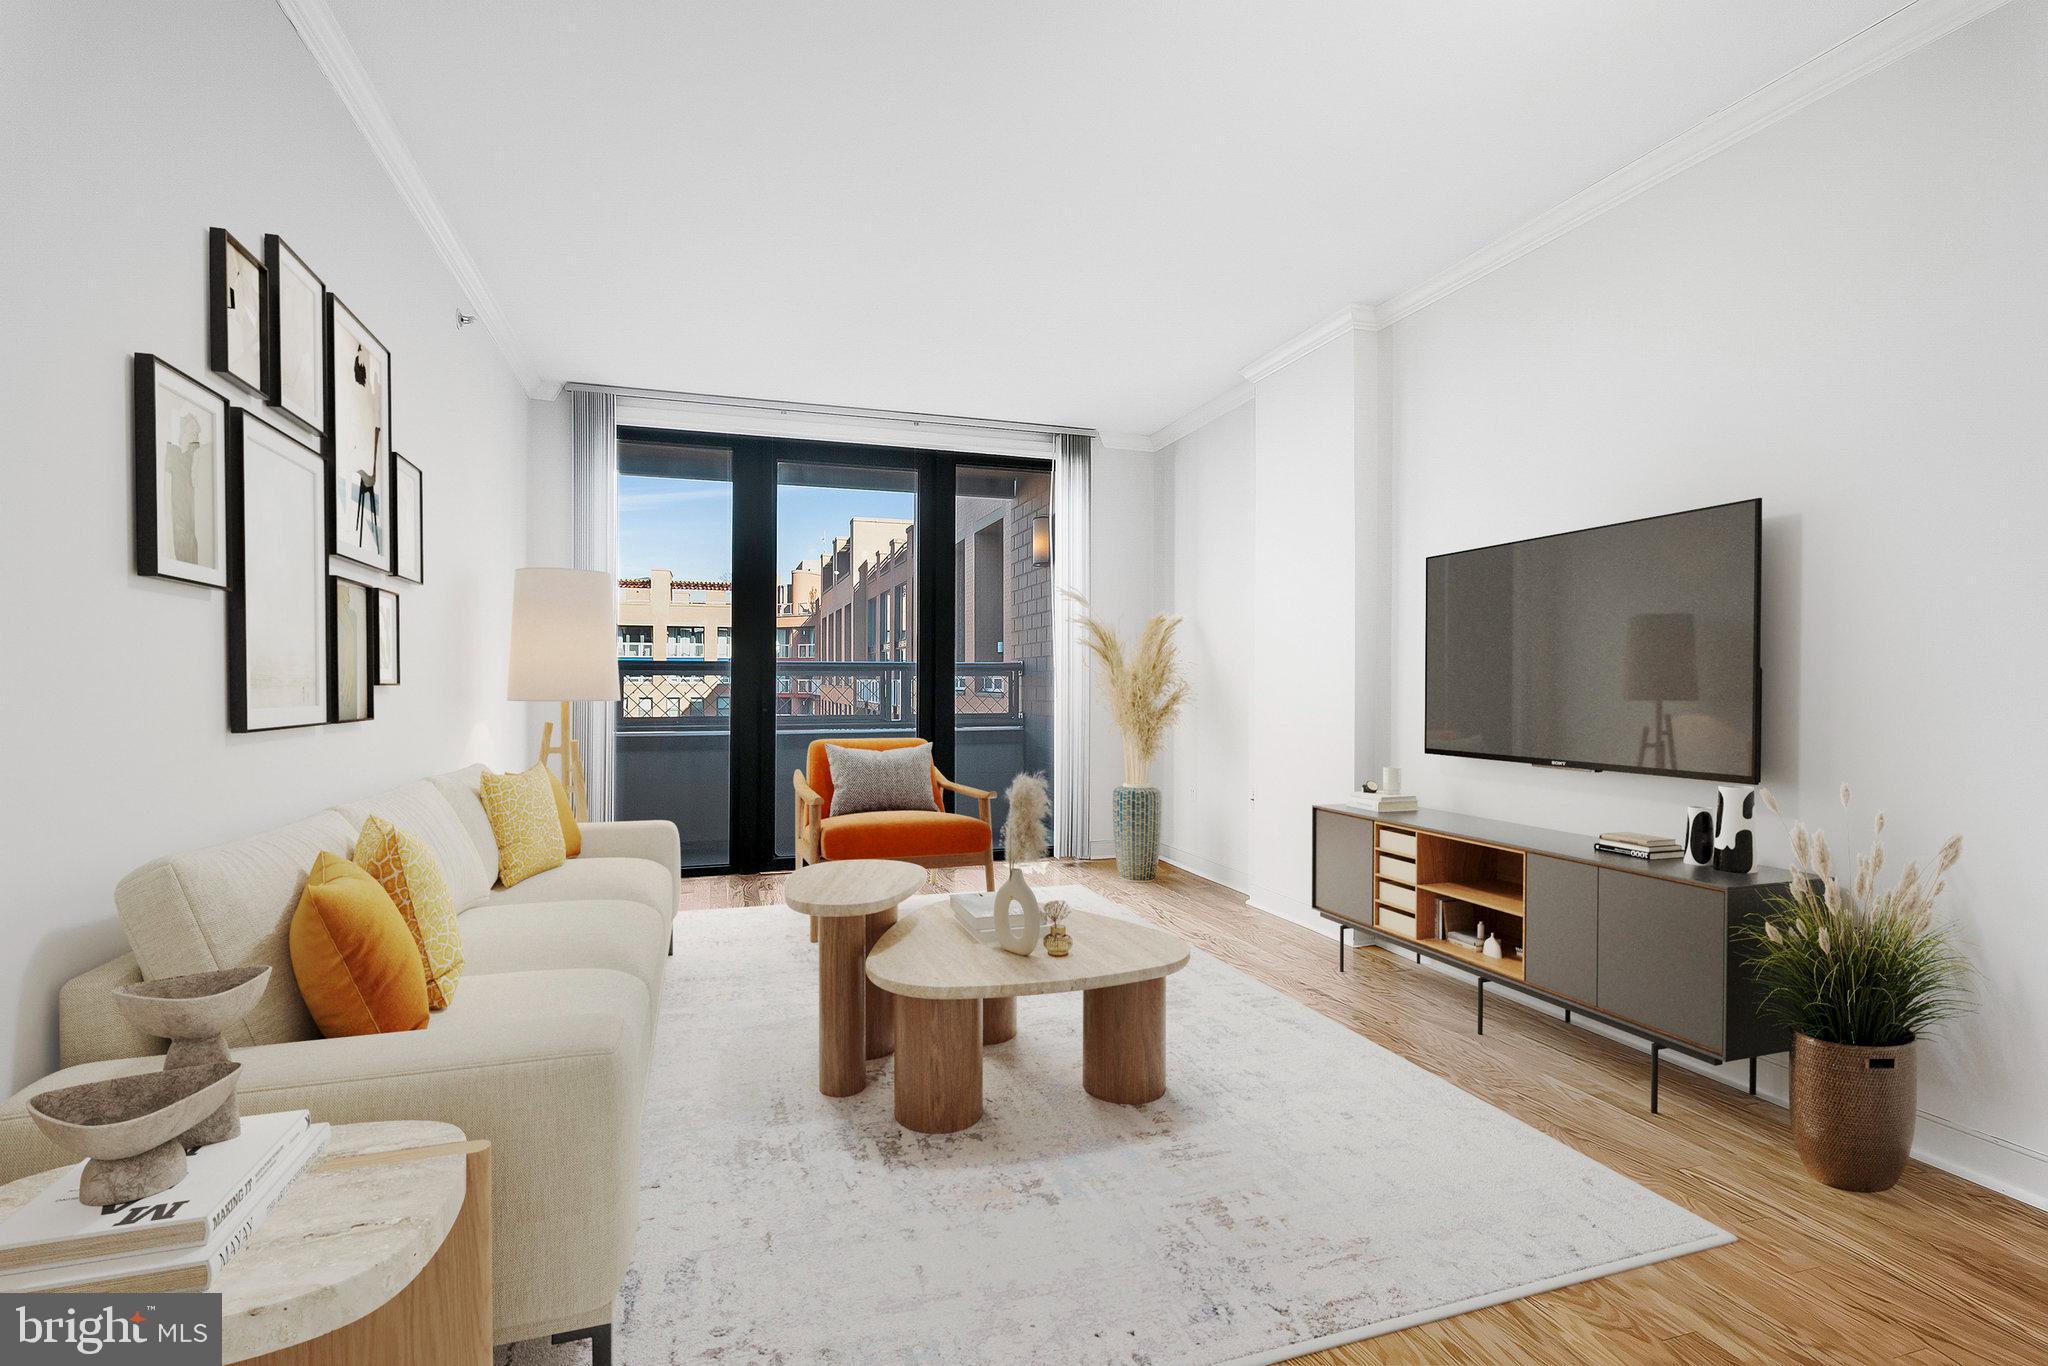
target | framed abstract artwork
[
  {"x": 277, "y": 553},
  {"x": 358, "y": 370},
  {"x": 235, "y": 310},
  {"x": 351, "y": 650},
  {"x": 387, "y": 638},
  {"x": 295, "y": 337},
  {"x": 408, "y": 504},
  {"x": 181, "y": 475}
]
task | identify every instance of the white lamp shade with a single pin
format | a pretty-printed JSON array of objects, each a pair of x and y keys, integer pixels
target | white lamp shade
[{"x": 564, "y": 641}]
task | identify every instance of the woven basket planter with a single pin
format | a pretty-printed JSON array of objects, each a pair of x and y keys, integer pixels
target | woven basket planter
[{"x": 1852, "y": 1111}]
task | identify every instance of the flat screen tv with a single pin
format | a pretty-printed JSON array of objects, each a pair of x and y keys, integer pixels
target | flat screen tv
[{"x": 1630, "y": 647}]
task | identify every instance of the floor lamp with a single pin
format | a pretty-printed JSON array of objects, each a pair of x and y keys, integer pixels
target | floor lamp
[{"x": 564, "y": 649}]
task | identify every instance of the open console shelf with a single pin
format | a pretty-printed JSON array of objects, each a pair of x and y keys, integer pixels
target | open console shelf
[{"x": 1653, "y": 950}]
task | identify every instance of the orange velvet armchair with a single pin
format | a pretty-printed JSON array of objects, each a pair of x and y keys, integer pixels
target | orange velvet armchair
[{"x": 933, "y": 839}]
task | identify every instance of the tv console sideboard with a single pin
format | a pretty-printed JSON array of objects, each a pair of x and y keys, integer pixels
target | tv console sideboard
[{"x": 1650, "y": 947}]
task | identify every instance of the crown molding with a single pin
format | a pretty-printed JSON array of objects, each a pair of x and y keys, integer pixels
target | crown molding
[
  {"x": 1124, "y": 441},
  {"x": 1236, "y": 396},
  {"x": 322, "y": 34},
  {"x": 1904, "y": 31},
  {"x": 1346, "y": 320}
]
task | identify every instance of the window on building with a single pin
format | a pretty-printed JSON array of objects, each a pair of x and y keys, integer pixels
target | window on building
[
  {"x": 725, "y": 642},
  {"x": 686, "y": 642},
  {"x": 636, "y": 642}
]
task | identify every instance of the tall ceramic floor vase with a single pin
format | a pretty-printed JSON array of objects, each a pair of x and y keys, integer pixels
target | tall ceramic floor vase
[
  {"x": 1135, "y": 812},
  {"x": 1852, "y": 1111}
]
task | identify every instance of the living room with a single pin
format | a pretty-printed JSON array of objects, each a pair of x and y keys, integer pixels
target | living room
[{"x": 1434, "y": 511}]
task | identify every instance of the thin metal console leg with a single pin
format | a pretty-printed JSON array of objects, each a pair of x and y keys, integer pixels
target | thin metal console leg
[
  {"x": 1752, "y": 1076},
  {"x": 1567, "y": 1014},
  {"x": 1340, "y": 948},
  {"x": 1482, "y": 1005},
  {"x": 1655, "y": 1049}
]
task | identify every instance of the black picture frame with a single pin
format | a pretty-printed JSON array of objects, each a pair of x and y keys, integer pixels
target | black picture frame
[
  {"x": 389, "y": 645},
  {"x": 408, "y": 519},
  {"x": 358, "y": 509},
  {"x": 282, "y": 335},
  {"x": 270, "y": 442},
  {"x": 229, "y": 316},
  {"x": 204, "y": 494},
  {"x": 350, "y": 609}
]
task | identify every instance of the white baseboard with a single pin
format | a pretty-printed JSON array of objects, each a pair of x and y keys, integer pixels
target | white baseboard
[
  {"x": 1979, "y": 1158},
  {"x": 1233, "y": 878}
]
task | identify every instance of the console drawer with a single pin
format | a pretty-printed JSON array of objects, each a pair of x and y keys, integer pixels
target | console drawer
[
  {"x": 1398, "y": 868},
  {"x": 1400, "y": 842},
  {"x": 1398, "y": 921},
  {"x": 1394, "y": 894}
]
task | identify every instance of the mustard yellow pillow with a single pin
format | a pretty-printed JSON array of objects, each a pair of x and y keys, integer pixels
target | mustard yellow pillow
[
  {"x": 354, "y": 958},
  {"x": 523, "y": 818},
  {"x": 572, "y": 833},
  {"x": 409, "y": 873}
]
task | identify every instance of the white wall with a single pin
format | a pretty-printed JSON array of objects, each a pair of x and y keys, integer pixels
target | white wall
[
  {"x": 1205, "y": 498},
  {"x": 1846, "y": 315},
  {"x": 131, "y": 130},
  {"x": 1124, "y": 562}
]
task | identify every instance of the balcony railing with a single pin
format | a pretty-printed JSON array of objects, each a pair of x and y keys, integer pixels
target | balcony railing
[{"x": 676, "y": 695}]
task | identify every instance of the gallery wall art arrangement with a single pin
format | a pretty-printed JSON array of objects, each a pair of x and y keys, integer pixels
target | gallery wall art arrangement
[{"x": 228, "y": 498}]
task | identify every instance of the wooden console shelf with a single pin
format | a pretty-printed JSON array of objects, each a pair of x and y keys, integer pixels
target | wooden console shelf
[{"x": 1652, "y": 949}]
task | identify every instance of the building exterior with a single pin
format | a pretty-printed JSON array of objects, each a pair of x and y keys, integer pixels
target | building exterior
[{"x": 662, "y": 617}]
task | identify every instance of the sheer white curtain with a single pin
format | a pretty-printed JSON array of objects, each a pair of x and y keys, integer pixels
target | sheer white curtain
[
  {"x": 1072, "y": 675},
  {"x": 594, "y": 510}
]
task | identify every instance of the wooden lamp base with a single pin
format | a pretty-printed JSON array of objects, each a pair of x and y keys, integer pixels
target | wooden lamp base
[{"x": 572, "y": 762}]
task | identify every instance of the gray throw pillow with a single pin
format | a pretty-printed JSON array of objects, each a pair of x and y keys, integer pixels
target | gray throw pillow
[{"x": 880, "y": 779}]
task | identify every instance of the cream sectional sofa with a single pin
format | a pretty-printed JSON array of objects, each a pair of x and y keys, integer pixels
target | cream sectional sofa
[{"x": 544, "y": 1050}]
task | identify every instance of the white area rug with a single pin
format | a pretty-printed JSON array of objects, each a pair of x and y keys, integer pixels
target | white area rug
[{"x": 1297, "y": 1187}]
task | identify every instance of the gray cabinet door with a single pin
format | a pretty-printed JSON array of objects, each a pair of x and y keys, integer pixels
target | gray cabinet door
[
  {"x": 1343, "y": 867},
  {"x": 1561, "y": 936},
  {"x": 1664, "y": 956}
]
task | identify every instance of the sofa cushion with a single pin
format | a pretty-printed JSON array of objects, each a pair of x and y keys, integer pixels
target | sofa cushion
[
  {"x": 352, "y": 955},
  {"x": 901, "y": 834},
  {"x": 524, "y": 821},
  {"x": 818, "y": 763},
  {"x": 464, "y": 790},
  {"x": 423, "y": 811},
  {"x": 228, "y": 906},
  {"x": 624, "y": 936},
  {"x": 593, "y": 879},
  {"x": 408, "y": 871}
]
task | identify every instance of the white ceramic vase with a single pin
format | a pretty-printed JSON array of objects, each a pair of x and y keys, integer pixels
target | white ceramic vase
[{"x": 1019, "y": 921}]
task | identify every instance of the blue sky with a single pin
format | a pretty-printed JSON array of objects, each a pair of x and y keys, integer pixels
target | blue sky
[{"x": 685, "y": 525}]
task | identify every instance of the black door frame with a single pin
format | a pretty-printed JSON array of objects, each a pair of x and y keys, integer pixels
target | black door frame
[{"x": 756, "y": 467}]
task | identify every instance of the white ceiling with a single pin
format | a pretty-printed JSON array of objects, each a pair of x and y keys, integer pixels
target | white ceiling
[{"x": 1089, "y": 213}]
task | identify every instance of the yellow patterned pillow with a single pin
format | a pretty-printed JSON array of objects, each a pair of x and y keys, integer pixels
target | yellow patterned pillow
[
  {"x": 407, "y": 870},
  {"x": 529, "y": 833}
]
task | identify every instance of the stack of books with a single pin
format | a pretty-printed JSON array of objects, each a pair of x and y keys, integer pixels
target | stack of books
[
  {"x": 1380, "y": 802},
  {"x": 178, "y": 1239},
  {"x": 1637, "y": 846}
]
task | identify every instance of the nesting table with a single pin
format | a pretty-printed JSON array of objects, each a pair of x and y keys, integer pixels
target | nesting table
[
  {"x": 953, "y": 994},
  {"x": 852, "y": 903}
]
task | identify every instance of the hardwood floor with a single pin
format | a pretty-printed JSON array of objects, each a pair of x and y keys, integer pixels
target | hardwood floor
[{"x": 1935, "y": 1270}]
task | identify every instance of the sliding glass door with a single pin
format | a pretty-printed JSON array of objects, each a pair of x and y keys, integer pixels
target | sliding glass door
[{"x": 773, "y": 593}]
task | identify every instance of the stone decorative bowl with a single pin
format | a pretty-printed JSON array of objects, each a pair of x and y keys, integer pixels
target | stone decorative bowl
[
  {"x": 130, "y": 1127},
  {"x": 193, "y": 1012}
]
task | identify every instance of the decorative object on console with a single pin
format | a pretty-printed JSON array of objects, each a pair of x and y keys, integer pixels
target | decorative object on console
[
  {"x": 358, "y": 395},
  {"x": 277, "y": 561},
  {"x": 1858, "y": 973},
  {"x": 1659, "y": 666},
  {"x": 564, "y": 649},
  {"x": 1058, "y": 942},
  {"x": 387, "y": 639},
  {"x": 1735, "y": 829},
  {"x": 408, "y": 512},
  {"x": 179, "y": 450},
  {"x": 193, "y": 1012},
  {"x": 1492, "y": 946},
  {"x": 1146, "y": 693},
  {"x": 129, "y": 1127},
  {"x": 351, "y": 652},
  {"x": 1699, "y": 836},
  {"x": 294, "y": 336},
  {"x": 1019, "y": 922},
  {"x": 236, "y": 310},
  {"x": 1634, "y": 845}
]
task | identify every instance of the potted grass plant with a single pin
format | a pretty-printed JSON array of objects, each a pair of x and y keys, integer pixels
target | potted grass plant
[
  {"x": 1146, "y": 694},
  {"x": 1858, "y": 973}
]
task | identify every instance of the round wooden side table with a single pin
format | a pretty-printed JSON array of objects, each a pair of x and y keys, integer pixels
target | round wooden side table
[
  {"x": 379, "y": 1252},
  {"x": 853, "y": 903}
]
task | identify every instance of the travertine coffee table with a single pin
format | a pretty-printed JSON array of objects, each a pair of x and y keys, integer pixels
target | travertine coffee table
[
  {"x": 944, "y": 981},
  {"x": 852, "y": 903}
]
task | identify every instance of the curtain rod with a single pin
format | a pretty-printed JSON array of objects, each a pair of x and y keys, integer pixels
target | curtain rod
[{"x": 830, "y": 410}]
